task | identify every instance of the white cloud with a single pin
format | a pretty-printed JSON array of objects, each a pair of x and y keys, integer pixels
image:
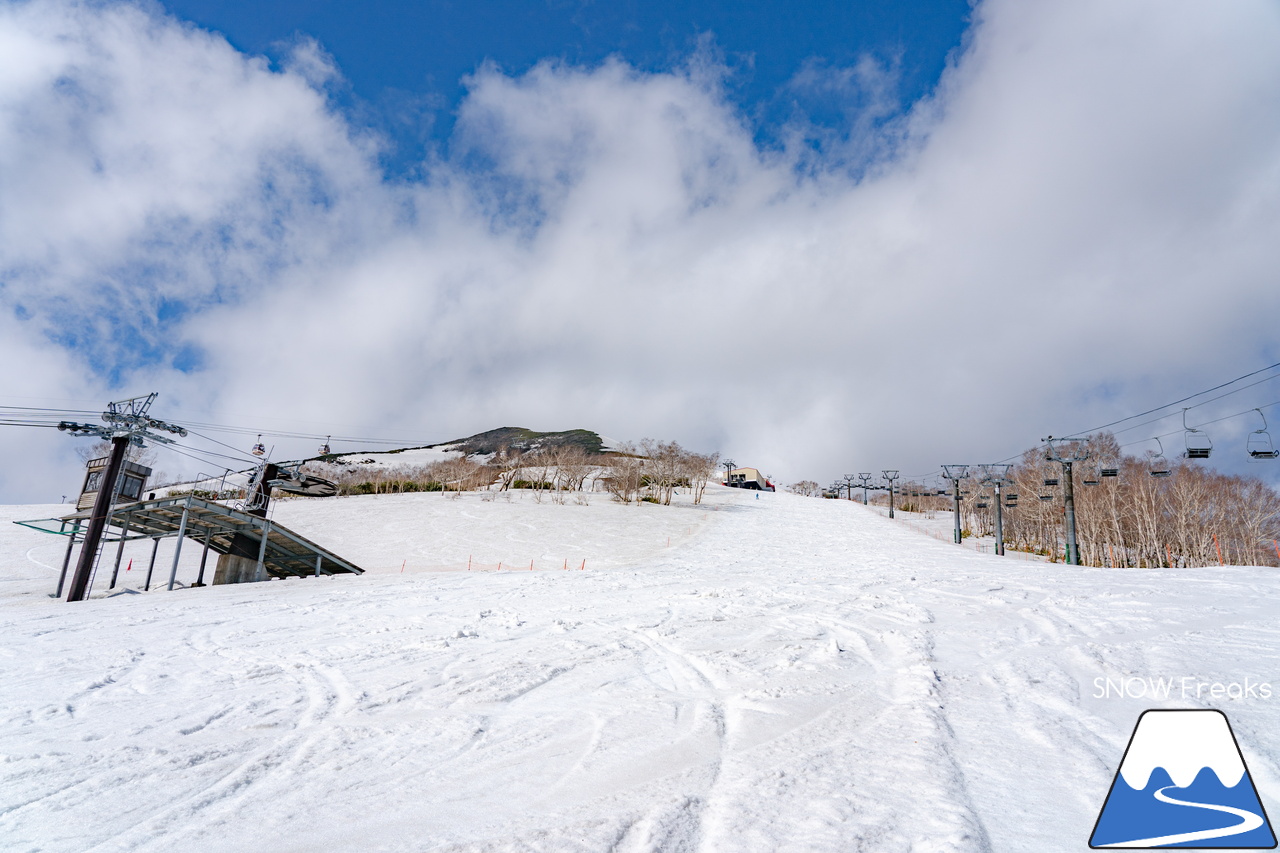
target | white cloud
[{"x": 1089, "y": 200}]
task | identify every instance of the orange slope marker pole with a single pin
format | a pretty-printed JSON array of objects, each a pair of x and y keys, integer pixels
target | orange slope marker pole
[{"x": 1219, "y": 547}]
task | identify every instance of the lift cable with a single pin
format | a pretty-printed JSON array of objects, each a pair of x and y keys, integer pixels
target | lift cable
[
  {"x": 1183, "y": 400},
  {"x": 1206, "y": 423}
]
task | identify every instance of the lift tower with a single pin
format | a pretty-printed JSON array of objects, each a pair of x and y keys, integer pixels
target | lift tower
[
  {"x": 956, "y": 473},
  {"x": 997, "y": 475},
  {"x": 1077, "y": 453},
  {"x": 127, "y": 423}
]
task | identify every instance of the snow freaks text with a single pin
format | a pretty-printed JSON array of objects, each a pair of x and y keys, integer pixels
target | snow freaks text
[{"x": 1185, "y": 687}]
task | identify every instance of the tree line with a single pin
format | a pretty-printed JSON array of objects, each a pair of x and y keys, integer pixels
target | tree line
[
  {"x": 651, "y": 471},
  {"x": 1193, "y": 516}
]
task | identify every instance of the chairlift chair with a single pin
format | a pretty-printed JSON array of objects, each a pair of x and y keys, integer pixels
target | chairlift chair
[
  {"x": 1091, "y": 477},
  {"x": 258, "y": 448},
  {"x": 1046, "y": 497},
  {"x": 324, "y": 448},
  {"x": 1260, "y": 446},
  {"x": 1159, "y": 464},
  {"x": 1198, "y": 444},
  {"x": 1109, "y": 472},
  {"x": 1051, "y": 481},
  {"x": 981, "y": 504}
]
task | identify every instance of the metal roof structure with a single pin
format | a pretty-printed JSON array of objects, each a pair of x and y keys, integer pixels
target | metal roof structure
[{"x": 283, "y": 554}]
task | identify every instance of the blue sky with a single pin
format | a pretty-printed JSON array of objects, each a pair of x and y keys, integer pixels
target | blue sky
[
  {"x": 862, "y": 236},
  {"x": 404, "y": 63}
]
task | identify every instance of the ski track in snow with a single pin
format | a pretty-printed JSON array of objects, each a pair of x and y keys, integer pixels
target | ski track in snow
[{"x": 790, "y": 674}]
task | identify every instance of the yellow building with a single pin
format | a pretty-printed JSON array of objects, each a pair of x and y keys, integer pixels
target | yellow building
[{"x": 749, "y": 478}]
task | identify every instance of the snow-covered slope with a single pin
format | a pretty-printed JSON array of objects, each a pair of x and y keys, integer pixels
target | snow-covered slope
[{"x": 788, "y": 674}]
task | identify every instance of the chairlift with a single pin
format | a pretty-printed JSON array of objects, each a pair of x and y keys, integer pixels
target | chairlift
[
  {"x": 258, "y": 448},
  {"x": 981, "y": 504},
  {"x": 1046, "y": 497},
  {"x": 1260, "y": 447},
  {"x": 1091, "y": 477},
  {"x": 1159, "y": 464},
  {"x": 1109, "y": 472},
  {"x": 1198, "y": 444},
  {"x": 1051, "y": 481},
  {"x": 324, "y": 448}
]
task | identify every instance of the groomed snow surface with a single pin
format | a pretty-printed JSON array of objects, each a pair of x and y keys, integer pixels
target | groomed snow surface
[{"x": 787, "y": 674}]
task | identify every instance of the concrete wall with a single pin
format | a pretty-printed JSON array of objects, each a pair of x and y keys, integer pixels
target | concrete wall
[{"x": 233, "y": 569}]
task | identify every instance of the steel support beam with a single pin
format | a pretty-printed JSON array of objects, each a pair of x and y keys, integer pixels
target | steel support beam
[
  {"x": 98, "y": 519},
  {"x": 115, "y": 570},
  {"x": 177, "y": 551},
  {"x": 66, "y": 561}
]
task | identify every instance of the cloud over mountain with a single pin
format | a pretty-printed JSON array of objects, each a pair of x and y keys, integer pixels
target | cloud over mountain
[{"x": 1078, "y": 223}]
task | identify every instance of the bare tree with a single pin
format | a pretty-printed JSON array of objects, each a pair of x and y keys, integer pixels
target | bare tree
[
  {"x": 1193, "y": 516},
  {"x": 700, "y": 469},
  {"x": 573, "y": 467},
  {"x": 805, "y": 488},
  {"x": 506, "y": 467},
  {"x": 625, "y": 472}
]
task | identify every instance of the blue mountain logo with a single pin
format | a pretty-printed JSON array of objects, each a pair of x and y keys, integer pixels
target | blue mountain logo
[{"x": 1183, "y": 783}]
